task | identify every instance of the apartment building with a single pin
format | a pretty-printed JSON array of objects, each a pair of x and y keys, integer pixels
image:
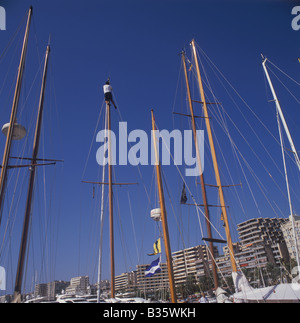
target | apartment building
[
  {"x": 50, "y": 290},
  {"x": 126, "y": 282},
  {"x": 288, "y": 233},
  {"x": 265, "y": 238},
  {"x": 78, "y": 285},
  {"x": 186, "y": 262},
  {"x": 56, "y": 287},
  {"x": 150, "y": 285}
]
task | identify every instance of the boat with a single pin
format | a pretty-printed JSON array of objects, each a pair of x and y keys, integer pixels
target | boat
[
  {"x": 71, "y": 299},
  {"x": 218, "y": 185},
  {"x": 243, "y": 290},
  {"x": 283, "y": 292},
  {"x": 14, "y": 131},
  {"x": 163, "y": 214},
  {"x": 110, "y": 184}
]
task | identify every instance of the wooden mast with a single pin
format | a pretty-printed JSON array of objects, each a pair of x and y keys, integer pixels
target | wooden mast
[
  {"x": 110, "y": 191},
  {"x": 111, "y": 215},
  {"x": 164, "y": 216},
  {"x": 9, "y": 138},
  {"x": 23, "y": 247},
  {"x": 204, "y": 196},
  {"x": 215, "y": 162}
]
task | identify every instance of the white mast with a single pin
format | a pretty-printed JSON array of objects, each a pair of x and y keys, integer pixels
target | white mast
[
  {"x": 279, "y": 113},
  {"x": 101, "y": 227},
  {"x": 294, "y": 151}
]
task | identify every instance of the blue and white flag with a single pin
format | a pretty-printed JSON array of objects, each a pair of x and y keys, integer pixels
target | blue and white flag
[{"x": 153, "y": 268}]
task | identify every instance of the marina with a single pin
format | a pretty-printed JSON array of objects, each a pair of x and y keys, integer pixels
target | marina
[{"x": 145, "y": 196}]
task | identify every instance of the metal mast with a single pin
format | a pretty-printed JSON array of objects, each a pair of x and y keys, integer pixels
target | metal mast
[
  {"x": 111, "y": 215},
  {"x": 280, "y": 113},
  {"x": 294, "y": 151}
]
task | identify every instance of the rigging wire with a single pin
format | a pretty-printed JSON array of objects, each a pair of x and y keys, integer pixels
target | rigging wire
[{"x": 268, "y": 172}]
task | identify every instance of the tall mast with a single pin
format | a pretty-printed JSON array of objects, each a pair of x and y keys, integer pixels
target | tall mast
[
  {"x": 215, "y": 162},
  {"x": 32, "y": 169},
  {"x": 111, "y": 215},
  {"x": 294, "y": 151},
  {"x": 101, "y": 233},
  {"x": 204, "y": 196},
  {"x": 280, "y": 113},
  {"x": 10, "y": 132},
  {"x": 163, "y": 215}
]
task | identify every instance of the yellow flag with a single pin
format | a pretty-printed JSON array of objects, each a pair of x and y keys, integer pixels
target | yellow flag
[{"x": 156, "y": 248}]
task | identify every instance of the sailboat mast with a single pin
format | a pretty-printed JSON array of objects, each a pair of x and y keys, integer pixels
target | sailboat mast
[
  {"x": 280, "y": 113},
  {"x": 294, "y": 151},
  {"x": 101, "y": 232},
  {"x": 32, "y": 169},
  {"x": 292, "y": 219},
  {"x": 111, "y": 216},
  {"x": 3, "y": 174},
  {"x": 215, "y": 162},
  {"x": 204, "y": 196},
  {"x": 164, "y": 216}
]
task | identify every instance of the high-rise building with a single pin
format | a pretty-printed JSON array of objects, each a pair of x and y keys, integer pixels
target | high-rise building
[
  {"x": 78, "y": 285},
  {"x": 266, "y": 239},
  {"x": 288, "y": 233},
  {"x": 126, "y": 282},
  {"x": 186, "y": 262},
  {"x": 151, "y": 285}
]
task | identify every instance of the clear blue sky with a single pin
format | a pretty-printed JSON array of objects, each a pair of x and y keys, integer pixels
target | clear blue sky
[{"x": 137, "y": 43}]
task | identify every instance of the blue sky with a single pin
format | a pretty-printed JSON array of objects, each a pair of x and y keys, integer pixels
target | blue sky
[{"x": 137, "y": 43}]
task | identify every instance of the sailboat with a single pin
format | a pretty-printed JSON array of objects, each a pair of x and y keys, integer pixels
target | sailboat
[
  {"x": 113, "y": 298},
  {"x": 244, "y": 292},
  {"x": 164, "y": 216},
  {"x": 202, "y": 181},
  {"x": 280, "y": 293},
  {"x": 218, "y": 185},
  {"x": 15, "y": 131}
]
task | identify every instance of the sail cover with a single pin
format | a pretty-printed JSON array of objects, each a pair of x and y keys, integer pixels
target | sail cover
[{"x": 281, "y": 293}]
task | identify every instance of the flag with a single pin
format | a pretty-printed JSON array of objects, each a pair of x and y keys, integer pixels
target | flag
[
  {"x": 183, "y": 198},
  {"x": 156, "y": 248},
  {"x": 153, "y": 269}
]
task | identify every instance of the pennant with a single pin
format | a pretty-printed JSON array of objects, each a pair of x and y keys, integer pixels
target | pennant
[
  {"x": 153, "y": 269},
  {"x": 183, "y": 198},
  {"x": 156, "y": 248}
]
